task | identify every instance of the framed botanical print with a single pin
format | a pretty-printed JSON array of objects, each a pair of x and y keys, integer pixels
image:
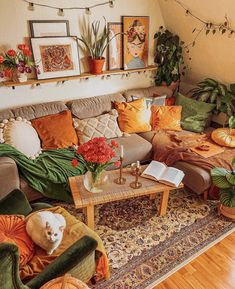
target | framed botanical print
[
  {"x": 56, "y": 56},
  {"x": 135, "y": 41},
  {"x": 115, "y": 58},
  {"x": 49, "y": 28}
]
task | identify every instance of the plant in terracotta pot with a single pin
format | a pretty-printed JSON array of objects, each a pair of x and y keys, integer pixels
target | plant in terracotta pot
[
  {"x": 225, "y": 181},
  {"x": 96, "y": 39},
  {"x": 97, "y": 155},
  {"x": 17, "y": 64},
  {"x": 169, "y": 58}
]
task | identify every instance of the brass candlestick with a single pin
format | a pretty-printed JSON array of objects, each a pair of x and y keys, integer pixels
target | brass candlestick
[
  {"x": 136, "y": 184},
  {"x": 120, "y": 180}
]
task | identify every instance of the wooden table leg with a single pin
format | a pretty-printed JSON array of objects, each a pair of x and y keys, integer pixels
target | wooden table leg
[
  {"x": 164, "y": 202},
  {"x": 152, "y": 196},
  {"x": 91, "y": 217}
]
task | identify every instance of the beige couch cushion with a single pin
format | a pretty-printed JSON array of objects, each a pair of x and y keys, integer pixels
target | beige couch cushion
[
  {"x": 34, "y": 111},
  {"x": 147, "y": 92},
  {"x": 93, "y": 106},
  {"x": 104, "y": 125}
]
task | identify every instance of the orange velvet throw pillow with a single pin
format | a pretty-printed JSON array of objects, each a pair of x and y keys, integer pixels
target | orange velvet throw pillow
[
  {"x": 13, "y": 230},
  {"x": 166, "y": 117},
  {"x": 133, "y": 117},
  {"x": 56, "y": 131}
]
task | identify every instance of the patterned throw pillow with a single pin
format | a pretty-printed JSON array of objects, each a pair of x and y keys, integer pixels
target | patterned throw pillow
[
  {"x": 104, "y": 125},
  {"x": 20, "y": 134},
  {"x": 166, "y": 117},
  {"x": 154, "y": 100}
]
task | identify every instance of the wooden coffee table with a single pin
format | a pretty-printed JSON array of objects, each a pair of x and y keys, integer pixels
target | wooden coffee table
[{"x": 114, "y": 192}]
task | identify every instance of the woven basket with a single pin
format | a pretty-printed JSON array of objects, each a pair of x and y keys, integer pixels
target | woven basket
[{"x": 65, "y": 282}]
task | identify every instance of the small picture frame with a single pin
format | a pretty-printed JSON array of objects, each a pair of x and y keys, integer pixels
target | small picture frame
[
  {"x": 49, "y": 28},
  {"x": 115, "y": 47},
  {"x": 56, "y": 56},
  {"x": 135, "y": 42}
]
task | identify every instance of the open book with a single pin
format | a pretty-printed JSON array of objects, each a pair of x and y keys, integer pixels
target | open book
[{"x": 160, "y": 172}]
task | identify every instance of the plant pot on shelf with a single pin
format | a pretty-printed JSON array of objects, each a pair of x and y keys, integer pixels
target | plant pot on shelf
[
  {"x": 221, "y": 118},
  {"x": 227, "y": 211},
  {"x": 96, "y": 65},
  {"x": 20, "y": 77}
]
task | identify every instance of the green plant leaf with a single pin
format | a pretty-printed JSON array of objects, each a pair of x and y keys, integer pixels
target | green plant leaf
[
  {"x": 231, "y": 122},
  {"x": 219, "y": 179},
  {"x": 227, "y": 197}
]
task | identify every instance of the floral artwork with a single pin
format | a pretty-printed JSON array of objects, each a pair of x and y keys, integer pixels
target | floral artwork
[
  {"x": 136, "y": 41},
  {"x": 115, "y": 46},
  {"x": 56, "y": 58}
]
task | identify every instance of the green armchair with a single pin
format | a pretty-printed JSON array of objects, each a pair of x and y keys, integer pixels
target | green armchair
[{"x": 79, "y": 259}]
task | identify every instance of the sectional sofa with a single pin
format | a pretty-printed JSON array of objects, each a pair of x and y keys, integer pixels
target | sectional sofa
[{"x": 137, "y": 146}]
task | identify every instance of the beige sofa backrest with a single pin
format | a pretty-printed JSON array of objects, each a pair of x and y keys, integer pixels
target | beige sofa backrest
[
  {"x": 93, "y": 106},
  {"x": 147, "y": 92},
  {"x": 34, "y": 111}
]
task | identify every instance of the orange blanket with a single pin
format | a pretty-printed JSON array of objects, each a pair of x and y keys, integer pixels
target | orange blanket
[
  {"x": 170, "y": 147},
  {"x": 74, "y": 231}
]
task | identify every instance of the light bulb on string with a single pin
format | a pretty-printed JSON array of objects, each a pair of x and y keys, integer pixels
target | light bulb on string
[
  {"x": 111, "y": 4},
  {"x": 61, "y": 12},
  {"x": 88, "y": 11},
  {"x": 31, "y": 7}
]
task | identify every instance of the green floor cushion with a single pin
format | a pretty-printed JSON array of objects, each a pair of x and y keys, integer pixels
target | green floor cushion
[{"x": 194, "y": 113}]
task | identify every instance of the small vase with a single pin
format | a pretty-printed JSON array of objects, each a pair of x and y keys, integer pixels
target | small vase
[
  {"x": 94, "y": 182},
  {"x": 96, "y": 65},
  {"x": 19, "y": 77}
]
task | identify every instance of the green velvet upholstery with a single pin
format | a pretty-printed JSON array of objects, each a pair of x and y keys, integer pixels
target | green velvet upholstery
[
  {"x": 65, "y": 262},
  {"x": 15, "y": 203},
  {"x": 9, "y": 267}
]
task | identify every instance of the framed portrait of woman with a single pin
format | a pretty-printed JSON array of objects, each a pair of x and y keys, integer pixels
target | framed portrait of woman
[
  {"x": 135, "y": 42},
  {"x": 115, "y": 59}
]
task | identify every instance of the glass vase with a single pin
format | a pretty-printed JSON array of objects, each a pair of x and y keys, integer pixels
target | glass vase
[{"x": 94, "y": 182}]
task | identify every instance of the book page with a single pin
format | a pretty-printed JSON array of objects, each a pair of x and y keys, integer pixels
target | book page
[
  {"x": 155, "y": 169},
  {"x": 172, "y": 176}
]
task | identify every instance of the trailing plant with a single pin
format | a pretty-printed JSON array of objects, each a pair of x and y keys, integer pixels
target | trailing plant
[
  {"x": 96, "y": 39},
  {"x": 225, "y": 181},
  {"x": 169, "y": 57},
  {"x": 212, "y": 91}
]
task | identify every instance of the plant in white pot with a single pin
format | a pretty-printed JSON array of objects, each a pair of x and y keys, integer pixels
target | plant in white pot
[
  {"x": 95, "y": 40},
  {"x": 225, "y": 181}
]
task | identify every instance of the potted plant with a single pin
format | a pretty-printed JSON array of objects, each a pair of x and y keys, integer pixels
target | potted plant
[
  {"x": 17, "y": 64},
  {"x": 212, "y": 91},
  {"x": 96, "y": 39},
  {"x": 225, "y": 181},
  {"x": 169, "y": 57}
]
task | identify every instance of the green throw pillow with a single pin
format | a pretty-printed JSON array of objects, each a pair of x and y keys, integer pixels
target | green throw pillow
[{"x": 194, "y": 113}]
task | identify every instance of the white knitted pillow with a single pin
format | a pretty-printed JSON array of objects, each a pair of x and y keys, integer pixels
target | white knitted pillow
[
  {"x": 104, "y": 125},
  {"x": 20, "y": 134}
]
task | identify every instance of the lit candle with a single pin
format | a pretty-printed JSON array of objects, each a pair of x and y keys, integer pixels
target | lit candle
[
  {"x": 138, "y": 164},
  {"x": 122, "y": 151}
]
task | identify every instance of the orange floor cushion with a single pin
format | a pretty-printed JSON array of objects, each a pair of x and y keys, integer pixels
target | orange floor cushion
[
  {"x": 224, "y": 137},
  {"x": 13, "y": 230}
]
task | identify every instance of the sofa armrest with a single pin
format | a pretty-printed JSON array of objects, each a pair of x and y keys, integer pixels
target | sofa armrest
[
  {"x": 9, "y": 176},
  {"x": 65, "y": 262}
]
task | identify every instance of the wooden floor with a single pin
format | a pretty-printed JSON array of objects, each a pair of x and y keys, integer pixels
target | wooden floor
[{"x": 214, "y": 269}]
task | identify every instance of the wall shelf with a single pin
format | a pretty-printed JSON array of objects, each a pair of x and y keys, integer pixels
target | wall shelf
[{"x": 37, "y": 82}]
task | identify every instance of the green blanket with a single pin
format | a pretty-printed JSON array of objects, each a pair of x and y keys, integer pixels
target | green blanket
[{"x": 49, "y": 173}]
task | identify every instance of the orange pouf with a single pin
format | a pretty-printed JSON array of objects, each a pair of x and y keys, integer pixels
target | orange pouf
[
  {"x": 65, "y": 282},
  {"x": 224, "y": 137}
]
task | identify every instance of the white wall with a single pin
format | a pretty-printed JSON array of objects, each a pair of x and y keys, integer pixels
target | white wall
[{"x": 14, "y": 27}]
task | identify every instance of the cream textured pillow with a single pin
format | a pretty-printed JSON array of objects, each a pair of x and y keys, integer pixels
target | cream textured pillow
[
  {"x": 20, "y": 134},
  {"x": 104, "y": 125}
]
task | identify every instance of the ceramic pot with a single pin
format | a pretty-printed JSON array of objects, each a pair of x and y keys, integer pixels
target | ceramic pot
[
  {"x": 94, "y": 182},
  {"x": 96, "y": 65},
  {"x": 227, "y": 212},
  {"x": 20, "y": 77}
]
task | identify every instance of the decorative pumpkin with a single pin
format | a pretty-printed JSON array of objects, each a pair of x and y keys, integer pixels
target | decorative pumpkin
[
  {"x": 65, "y": 282},
  {"x": 224, "y": 137}
]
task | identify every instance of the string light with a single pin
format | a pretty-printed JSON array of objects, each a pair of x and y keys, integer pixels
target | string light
[{"x": 61, "y": 10}]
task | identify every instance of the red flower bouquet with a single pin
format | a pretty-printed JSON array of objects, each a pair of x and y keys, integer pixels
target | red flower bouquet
[{"x": 97, "y": 155}]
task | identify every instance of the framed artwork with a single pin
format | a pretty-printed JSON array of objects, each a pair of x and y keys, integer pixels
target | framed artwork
[
  {"x": 115, "y": 58},
  {"x": 56, "y": 56},
  {"x": 49, "y": 28},
  {"x": 135, "y": 41}
]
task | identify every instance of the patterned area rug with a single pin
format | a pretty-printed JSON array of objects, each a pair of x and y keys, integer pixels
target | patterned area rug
[{"x": 144, "y": 248}]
